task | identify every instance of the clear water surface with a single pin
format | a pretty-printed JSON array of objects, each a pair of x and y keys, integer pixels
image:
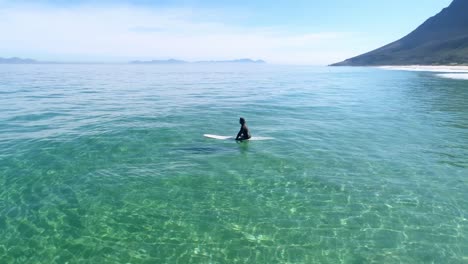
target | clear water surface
[{"x": 107, "y": 164}]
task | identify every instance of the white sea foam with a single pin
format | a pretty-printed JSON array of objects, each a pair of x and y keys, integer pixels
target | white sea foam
[
  {"x": 446, "y": 69},
  {"x": 452, "y": 72},
  {"x": 459, "y": 76}
]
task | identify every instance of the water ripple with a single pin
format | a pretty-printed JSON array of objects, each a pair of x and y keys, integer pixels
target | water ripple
[{"x": 107, "y": 163}]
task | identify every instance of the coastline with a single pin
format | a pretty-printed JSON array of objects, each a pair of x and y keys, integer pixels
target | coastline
[
  {"x": 428, "y": 68},
  {"x": 444, "y": 71}
]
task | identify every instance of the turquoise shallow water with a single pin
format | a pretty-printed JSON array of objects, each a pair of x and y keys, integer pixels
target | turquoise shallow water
[{"x": 107, "y": 164}]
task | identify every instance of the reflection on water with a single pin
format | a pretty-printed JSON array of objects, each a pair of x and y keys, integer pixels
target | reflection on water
[{"x": 243, "y": 146}]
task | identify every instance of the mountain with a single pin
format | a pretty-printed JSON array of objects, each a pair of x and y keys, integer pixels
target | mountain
[
  {"x": 16, "y": 60},
  {"x": 440, "y": 40},
  {"x": 173, "y": 61},
  {"x": 234, "y": 61},
  {"x": 170, "y": 61}
]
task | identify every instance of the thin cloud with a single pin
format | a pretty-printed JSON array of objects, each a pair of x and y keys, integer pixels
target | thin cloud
[{"x": 149, "y": 33}]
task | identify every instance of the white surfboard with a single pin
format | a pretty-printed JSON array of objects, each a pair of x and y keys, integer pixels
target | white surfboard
[{"x": 232, "y": 138}]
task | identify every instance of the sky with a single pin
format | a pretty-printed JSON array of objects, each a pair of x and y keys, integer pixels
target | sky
[{"x": 280, "y": 32}]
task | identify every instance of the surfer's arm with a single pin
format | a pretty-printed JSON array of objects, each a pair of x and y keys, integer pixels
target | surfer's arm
[{"x": 239, "y": 134}]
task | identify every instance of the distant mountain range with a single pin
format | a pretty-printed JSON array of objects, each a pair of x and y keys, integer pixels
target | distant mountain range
[
  {"x": 234, "y": 61},
  {"x": 16, "y": 60},
  {"x": 173, "y": 61},
  {"x": 170, "y": 61},
  {"x": 441, "y": 40}
]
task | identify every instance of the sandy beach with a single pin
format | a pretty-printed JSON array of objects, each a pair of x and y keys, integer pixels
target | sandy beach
[
  {"x": 445, "y": 71},
  {"x": 442, "y": 68}
]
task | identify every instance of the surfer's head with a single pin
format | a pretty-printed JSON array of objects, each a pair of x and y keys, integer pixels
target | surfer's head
[{"x": 241, "y": 121}]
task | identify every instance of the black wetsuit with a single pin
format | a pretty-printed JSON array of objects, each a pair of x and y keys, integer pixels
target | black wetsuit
[{"x": 244, "y": 133}]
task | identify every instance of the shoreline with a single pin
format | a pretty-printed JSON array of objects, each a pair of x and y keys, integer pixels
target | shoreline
[
  {"x": 444, "y": 71},
  {"x": 428, "y": 68}
]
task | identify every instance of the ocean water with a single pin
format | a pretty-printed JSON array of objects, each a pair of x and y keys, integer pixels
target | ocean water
[{"x": 108, "y": 164}]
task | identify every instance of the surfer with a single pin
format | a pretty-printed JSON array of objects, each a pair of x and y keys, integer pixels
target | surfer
[{"x": 244, "y": 132}]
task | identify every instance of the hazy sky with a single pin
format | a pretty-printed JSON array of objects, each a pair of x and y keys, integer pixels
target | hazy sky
[{"x": 285, "y": 32}]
